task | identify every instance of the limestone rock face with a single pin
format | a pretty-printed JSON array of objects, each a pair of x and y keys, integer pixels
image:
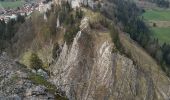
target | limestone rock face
[
  {"x": 44, "y": 7},
  {"x": 77, "y": 3},
  {"x": 90, "y": 70},
  {"x": 93, "y": 75}
]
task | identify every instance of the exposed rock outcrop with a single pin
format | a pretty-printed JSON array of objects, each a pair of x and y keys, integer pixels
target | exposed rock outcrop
[
  {"x": 78, "y": 3},
  {"x": 89, "y": 70},
  {"x": 16, "y": 85}
]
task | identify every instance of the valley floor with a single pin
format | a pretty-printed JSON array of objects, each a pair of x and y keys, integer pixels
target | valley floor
[{"x": 158, "y": 20}]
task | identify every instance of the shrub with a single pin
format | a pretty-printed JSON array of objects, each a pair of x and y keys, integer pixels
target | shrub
[
  {"x": 154, "y": 25},
  {"x": 55, "y": 50},
  {"x": 39, "y": 80},
  {"x": 35, "y": 62},
  {"x": 71, "y": 33}
]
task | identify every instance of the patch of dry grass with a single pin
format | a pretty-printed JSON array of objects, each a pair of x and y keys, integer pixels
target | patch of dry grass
[
  {"x": 93, "y": 16},
  {"x": 160, "y": 24}
]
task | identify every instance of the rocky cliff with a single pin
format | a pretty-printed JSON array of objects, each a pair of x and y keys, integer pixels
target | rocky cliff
[
  {"x": 20, "y": 83},
  {"x": 89, "y": 69},
  {"x": 15, "y": 82},
  {"x": 78, "y": 3}
]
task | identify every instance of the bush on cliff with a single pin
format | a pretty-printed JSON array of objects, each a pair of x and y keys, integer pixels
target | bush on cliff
[{"x": 35, "y": 62}]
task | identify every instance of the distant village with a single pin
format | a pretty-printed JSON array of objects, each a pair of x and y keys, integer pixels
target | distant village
[{"x": 10, "y": 13}]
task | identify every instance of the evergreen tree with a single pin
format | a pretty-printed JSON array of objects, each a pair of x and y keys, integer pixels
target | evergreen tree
[{"x": 35, "y": 62}]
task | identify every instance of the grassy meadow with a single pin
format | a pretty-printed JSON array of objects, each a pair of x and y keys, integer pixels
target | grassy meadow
[
  {"x": 163, "y": 34},
  {"x": 161, "y": 17}
]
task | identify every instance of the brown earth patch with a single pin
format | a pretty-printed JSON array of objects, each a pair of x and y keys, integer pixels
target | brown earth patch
[{"x": 163, "y": 24}]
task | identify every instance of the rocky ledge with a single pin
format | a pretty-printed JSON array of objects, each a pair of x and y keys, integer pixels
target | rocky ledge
[{"x": 19, "y": 83}]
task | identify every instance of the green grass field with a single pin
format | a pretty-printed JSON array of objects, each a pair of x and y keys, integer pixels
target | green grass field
[
  {"x": 162, "y": 33},
  {"x": 10, "y": 4},
  {"x": 161, "y": 15}
]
